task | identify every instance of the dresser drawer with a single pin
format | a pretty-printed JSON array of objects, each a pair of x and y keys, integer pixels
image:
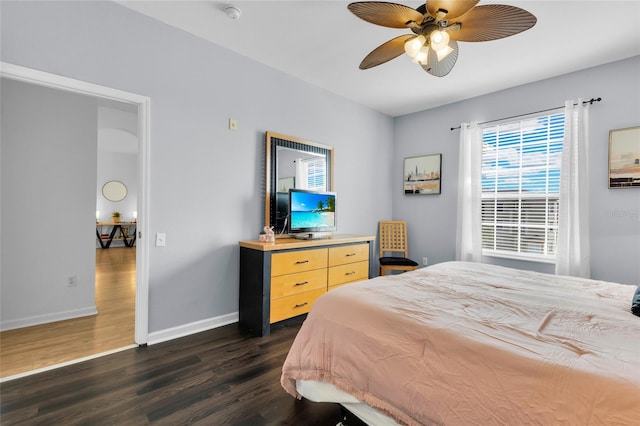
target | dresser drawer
[
  {"x": 298, "y": 261},
  {"x": 347, "y": 273},
  {"x": 287, "y": 285},
  {"x": 348, "y": 254},
  {"x": 291, "y": 306}
]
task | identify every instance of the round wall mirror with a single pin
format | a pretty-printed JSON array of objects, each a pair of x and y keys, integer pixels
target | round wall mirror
[{"x": 114, "y": 190}]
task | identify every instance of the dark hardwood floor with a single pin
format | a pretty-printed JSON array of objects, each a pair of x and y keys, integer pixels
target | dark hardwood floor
[{"x": 218, "y": 377}]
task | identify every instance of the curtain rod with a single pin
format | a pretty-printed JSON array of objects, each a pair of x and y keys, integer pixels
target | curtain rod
[{"x": 590, "y": 101}]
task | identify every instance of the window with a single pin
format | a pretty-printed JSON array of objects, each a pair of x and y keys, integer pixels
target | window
[
  {"x": 520, "y": 187},
  {"x": 315, "y": 170}
]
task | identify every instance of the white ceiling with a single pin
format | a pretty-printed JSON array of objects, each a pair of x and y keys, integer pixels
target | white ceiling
[{"x": 321, "y": 42}]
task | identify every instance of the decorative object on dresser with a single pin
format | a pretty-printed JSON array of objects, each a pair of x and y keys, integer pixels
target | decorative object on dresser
[
  {"x": 393, "y": 239},
  {"x": 281, "y": 280}
]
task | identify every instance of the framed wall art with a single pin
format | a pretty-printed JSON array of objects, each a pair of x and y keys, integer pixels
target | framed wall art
[
  {"x": 624, "y": 158},
  {"x": 422, "y": 174},
  {"x": 284, "y": 184}
]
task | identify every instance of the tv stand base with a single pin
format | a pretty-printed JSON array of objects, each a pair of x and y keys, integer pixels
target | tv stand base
[{"x": 312, "y": 236}]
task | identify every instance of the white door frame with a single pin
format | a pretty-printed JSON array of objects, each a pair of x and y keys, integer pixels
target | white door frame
[{"x": 40, "y": 78}]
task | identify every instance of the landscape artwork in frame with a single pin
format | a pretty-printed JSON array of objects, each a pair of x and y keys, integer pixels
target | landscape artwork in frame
[
  {"x": 624, "y": 158},
  {"x": 422, "y": 174}
]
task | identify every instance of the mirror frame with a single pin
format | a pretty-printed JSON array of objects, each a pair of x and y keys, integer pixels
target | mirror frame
[
  {"x": 275, "y": 140},
  {"x": 109, "y": 188}
]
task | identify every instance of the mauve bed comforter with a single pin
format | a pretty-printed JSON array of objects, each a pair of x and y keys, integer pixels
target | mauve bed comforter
[{"x": 463, "y": 343}]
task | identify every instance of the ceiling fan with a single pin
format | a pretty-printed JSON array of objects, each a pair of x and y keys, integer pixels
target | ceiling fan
[{"x": 437, "y": 27}]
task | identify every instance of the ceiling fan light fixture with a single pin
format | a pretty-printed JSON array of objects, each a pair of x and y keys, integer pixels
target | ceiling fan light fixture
[
  {"x": 444, "y": 52},
  {"x": 438, "y": 26},
  {"x": 422, "y": 57},
  {"x": 439, "y": 39},
  {"x": 413, "y": 46}
]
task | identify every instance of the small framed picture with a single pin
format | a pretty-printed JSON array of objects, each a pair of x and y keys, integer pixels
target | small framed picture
[
  {"x": 624, "y": 158},
  {"x": 422, "y": 174},
  {"x": 284, "y": 184}
]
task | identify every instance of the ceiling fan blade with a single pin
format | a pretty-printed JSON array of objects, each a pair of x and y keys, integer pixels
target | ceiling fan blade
[
  {"x": 492, "y": 22},
  {"x": 386, "y": 14},
  {"x": 443, "y": 67},
  {"x": 385, "y": 52},
  {"x": 454, "y": 8}
]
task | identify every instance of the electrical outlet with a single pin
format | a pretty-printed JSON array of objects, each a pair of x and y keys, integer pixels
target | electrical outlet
[
  {"x": 161, "y": 239},
  {"x": 425, "y": 261},
  {"x": 233, "y": 124},
  {"x": 72, "y": 281}
]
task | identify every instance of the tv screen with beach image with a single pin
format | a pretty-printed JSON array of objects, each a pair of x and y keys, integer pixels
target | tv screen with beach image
[{"x": 311, "y": 210}]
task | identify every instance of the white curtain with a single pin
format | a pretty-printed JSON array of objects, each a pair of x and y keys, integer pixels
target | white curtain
[
  {"x": 572, "y": 257},
  {"x": 469, "y": 227},
  {"x": 301, "y": 174}
]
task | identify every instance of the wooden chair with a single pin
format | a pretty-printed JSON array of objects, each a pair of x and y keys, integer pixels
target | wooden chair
[{"x": 393, "y": 239}]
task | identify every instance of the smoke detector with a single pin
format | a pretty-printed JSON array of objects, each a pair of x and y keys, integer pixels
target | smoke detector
[{"x": 232, "y": 12}]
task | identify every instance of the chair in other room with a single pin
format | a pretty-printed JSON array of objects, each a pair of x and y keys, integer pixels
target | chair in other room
[{"x": 393, "y": 240}]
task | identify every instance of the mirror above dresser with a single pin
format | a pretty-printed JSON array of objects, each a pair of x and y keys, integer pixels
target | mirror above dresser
[{"x": 293, "y": 163}]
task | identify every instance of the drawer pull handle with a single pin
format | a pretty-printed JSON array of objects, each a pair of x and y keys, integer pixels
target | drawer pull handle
[
  {"x": 350, "y": 273},
  {"x": 300, "y": 305},
  {"x": 302, "y": 283},
  {"x": 350, "y": 254},
  {"x": 301, "y": 262}
]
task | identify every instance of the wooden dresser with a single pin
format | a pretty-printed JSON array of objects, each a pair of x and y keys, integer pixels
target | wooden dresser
[{"x": 281, "y": 280}]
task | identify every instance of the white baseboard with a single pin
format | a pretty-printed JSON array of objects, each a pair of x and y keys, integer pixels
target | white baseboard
[
  {"x": 44, "y": 319},
  {"x": 192, "y": 328}
]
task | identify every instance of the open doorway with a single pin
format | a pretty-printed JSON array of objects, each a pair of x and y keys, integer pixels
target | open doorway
[{"x": 42, "y": 235}]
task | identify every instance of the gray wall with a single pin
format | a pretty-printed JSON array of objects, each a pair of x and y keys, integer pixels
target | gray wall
[
  {"x": 615, "y": 213},
  {"x": 49, "y": 148},
  {"x": 206, "y": 181}
]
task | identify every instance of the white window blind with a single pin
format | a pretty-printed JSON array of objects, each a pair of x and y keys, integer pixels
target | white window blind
[
  {"x": 315, "y": 171},
  {"x": 520, "y": 187}
]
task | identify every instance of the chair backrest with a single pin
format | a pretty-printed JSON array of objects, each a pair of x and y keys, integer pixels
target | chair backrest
[{"x": 393, "y": 237}]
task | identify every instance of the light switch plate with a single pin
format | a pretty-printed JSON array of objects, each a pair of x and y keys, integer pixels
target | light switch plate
[{"x": 161, "y": 239}]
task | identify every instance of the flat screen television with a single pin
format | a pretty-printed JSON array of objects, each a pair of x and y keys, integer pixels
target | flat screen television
[{"x": 312, "y": 214}]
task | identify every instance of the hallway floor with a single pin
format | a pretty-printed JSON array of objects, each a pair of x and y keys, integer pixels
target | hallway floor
[{"x": 40, "y": 346}]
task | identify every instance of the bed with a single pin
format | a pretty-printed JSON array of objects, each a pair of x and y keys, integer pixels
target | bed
[{"x": 467, "y": 343}]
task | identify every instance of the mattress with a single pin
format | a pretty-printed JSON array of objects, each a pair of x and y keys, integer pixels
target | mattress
[{"x": 466, "y": 343}]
